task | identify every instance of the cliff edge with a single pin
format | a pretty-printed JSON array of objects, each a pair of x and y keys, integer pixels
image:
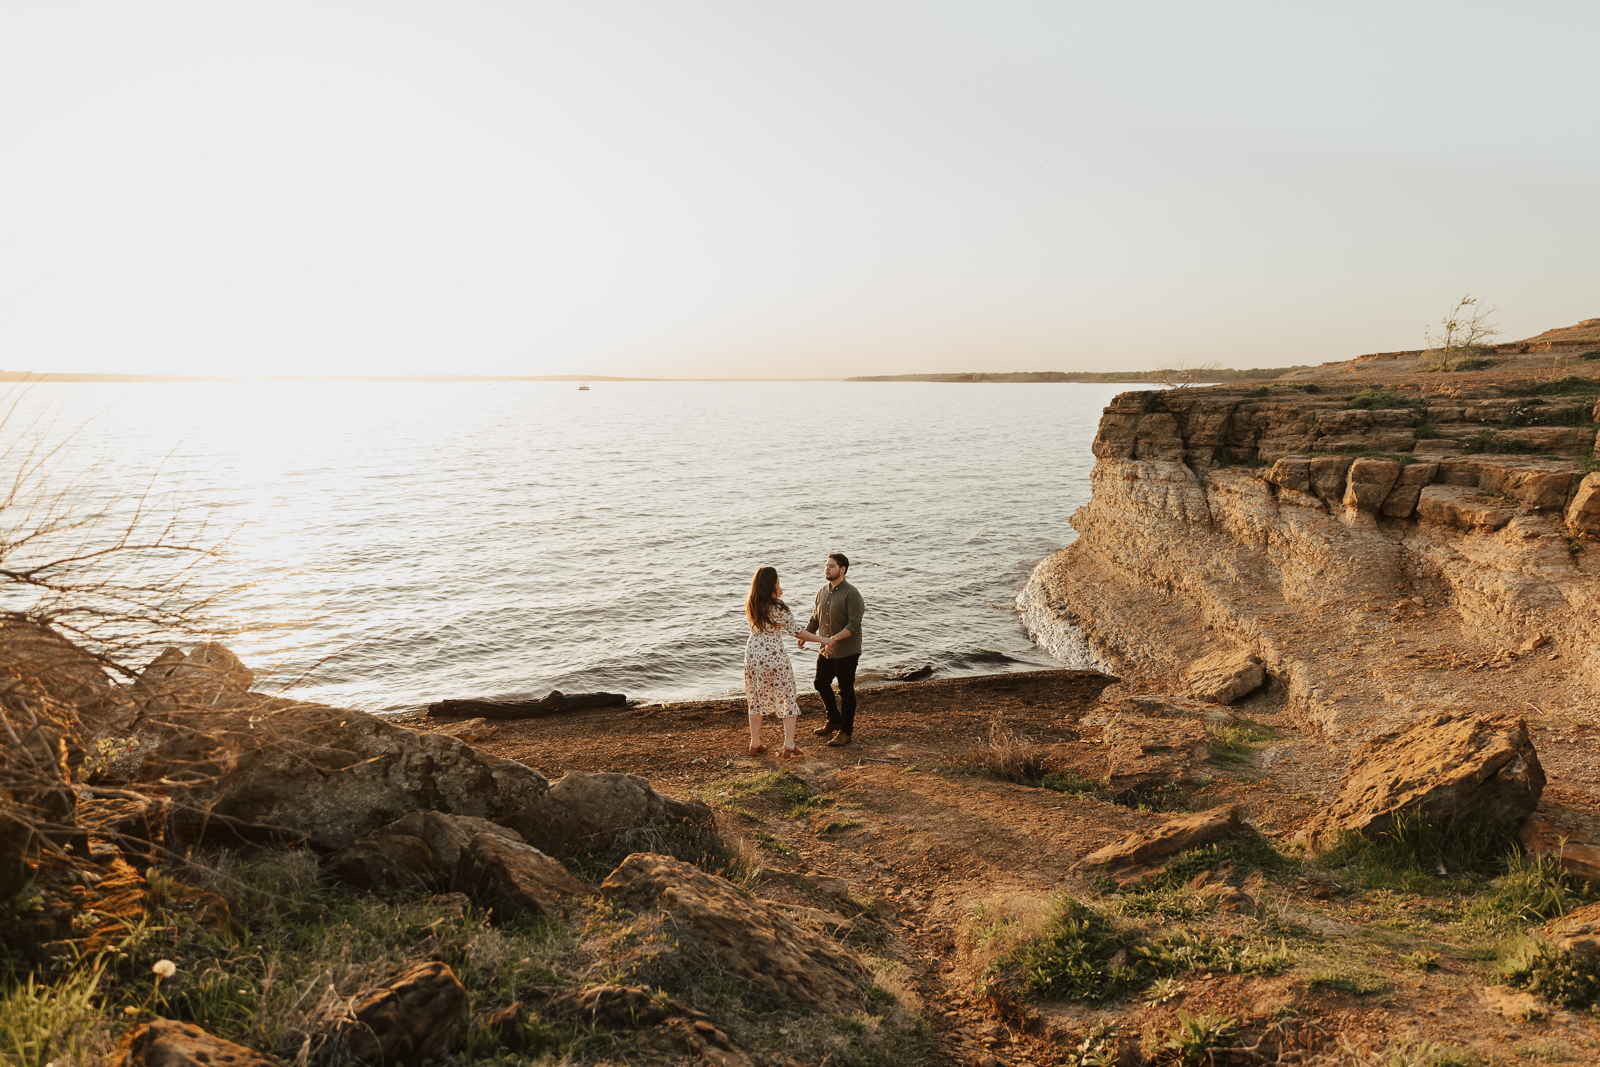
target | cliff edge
[{"x": 1388, "y": 545}]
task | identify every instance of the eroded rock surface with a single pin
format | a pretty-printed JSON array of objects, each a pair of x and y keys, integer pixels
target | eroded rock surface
[
  {"x": 1146, "y": 852},
  {"x": 413, "y": 1018},
  {"x": 1443, "y": 767},
  {"x": 751, "y": 938},
  {"x": 170, "y": 1043},
  {"x": 1225, "y": 677}
]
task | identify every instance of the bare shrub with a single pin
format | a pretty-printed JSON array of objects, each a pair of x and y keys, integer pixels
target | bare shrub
[
  {"x": 1463, "y": 337},
  {"x": 1181, "y": 372},
  {"x": 1011, "y": 755}
]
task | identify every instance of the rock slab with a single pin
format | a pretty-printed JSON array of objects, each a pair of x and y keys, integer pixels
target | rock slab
[
  {"x": 413, "y": 1018},
  {"x": 749, "y": 937},
  {"x": 169, "y": 1043},
  {"x": 1225, "y": 677},
  {"x": 1444, "y": 767},
  {"x": 1146, "y": 852}
]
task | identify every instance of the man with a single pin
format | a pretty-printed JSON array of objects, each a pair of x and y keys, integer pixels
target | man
[{"x": 837, "y": 620}]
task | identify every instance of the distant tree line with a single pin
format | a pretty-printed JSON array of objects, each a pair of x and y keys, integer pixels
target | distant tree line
[{"x": 1218, "y": 374}]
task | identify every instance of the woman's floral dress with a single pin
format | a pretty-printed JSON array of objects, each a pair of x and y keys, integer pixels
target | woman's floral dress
[{"x": 768, "y": 677}]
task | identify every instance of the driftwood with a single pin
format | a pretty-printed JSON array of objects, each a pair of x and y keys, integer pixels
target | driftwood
[{"x": 554, "y": 704}]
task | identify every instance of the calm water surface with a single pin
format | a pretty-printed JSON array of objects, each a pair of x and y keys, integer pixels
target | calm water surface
[{"x": 415, "y": 541}]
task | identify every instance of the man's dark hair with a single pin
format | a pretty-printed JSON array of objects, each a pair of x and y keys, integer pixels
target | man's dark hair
[{"x": 841, "y": 559}]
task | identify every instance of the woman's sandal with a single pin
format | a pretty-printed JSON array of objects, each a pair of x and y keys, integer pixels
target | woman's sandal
[{"x": 791, "y": 753}]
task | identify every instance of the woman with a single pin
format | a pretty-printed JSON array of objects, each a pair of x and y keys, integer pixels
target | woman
[{"x": 768, "y": 677}]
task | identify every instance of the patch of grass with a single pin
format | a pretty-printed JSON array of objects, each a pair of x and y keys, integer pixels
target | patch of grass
[
  {"x": 1589, "y": 356},
  {"x": 1533, "y": 414},
  {"x": 840, "y": 827},
  {"x": 1533, "y": 890},
  {"x": 1378, "y": 400},
  {"x": 47, "y": 1023},
  {"x": 1473, "y": 363},
  {"x": 1309, "y": 387},
  {"x": 1488, "y": 441},
  {"x": 1256, "y": 393},
  {"x": 1069, "y": 784},
  {"x": 1425, "y": 432},
  {"x": 1083, "y": 955},
  {"x": 1416, "y": 852},
  {"x": 1248, "y": 853},
  {"x": 1231, "y": 746},
  {"x": 1172, "y": 905},
  {"x": 1198, "y": 1038},
  {"x": 1567, "y": 385},
  {"x": 1562, "y": 978},
  {"x": 772, "y": 844},
  {"x": 1420, "y": 960}
]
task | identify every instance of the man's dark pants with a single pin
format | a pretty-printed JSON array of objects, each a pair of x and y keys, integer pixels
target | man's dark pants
[{"x": 843, "y": 716}]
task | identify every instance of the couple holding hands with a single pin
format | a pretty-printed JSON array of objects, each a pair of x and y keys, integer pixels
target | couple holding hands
[{"x": 835, "y": 624}]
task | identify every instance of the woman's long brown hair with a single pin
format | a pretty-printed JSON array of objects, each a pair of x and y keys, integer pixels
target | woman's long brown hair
[{"x": 758, "y": 605}]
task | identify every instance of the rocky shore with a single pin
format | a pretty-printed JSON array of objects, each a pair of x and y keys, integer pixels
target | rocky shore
[{"x": 1333, "y": 804}]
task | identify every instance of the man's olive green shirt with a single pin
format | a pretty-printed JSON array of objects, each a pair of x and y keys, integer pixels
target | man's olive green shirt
[{"x": 839, "y": 608}]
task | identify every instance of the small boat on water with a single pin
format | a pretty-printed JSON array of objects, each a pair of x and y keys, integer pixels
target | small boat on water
[{"x": 583, "y": 387}]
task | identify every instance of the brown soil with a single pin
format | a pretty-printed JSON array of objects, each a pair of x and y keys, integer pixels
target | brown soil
[{"x": 939, "y": 850}]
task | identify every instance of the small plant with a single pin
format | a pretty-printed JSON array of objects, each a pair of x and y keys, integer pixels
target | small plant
[
  {"x": 1589, "y": 356},
  {"x": 1532, "y": 414},
  {"x": 1533, "y": 890},
  {"x": 1425, "y": 432},
  {"x": 1198, "y": 1038},
  {"x": 1098, "y": 1047},
  {"x": 1566, "y": 385},
  {"x": 1378, "y": 400},
  {"x": 1310, "y": 387},
  {"x": 1257, "y": 393},
  {"x": 1560, "y": 977},
  {"x": 1165, "y": 989},
  {"x": 1487, "y": 441},
  {"x": 1420, "y": 960},
  {"x": 1463, "y": 335}
]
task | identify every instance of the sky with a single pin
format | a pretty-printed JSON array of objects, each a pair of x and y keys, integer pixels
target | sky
[{"x": 783, "y": 190}]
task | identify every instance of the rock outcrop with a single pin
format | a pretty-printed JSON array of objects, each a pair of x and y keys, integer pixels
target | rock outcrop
[
  {"x": 170, "y": 1043},
  {"x": 1225, "y": 677},
  {"x": 749, "y": 937},
  {"x": 1443, "y": 767},
  {"x": 1287, "y": 526},
  {"x": 1146, "y": 852},
  {"x": 413, "y": 1018}
]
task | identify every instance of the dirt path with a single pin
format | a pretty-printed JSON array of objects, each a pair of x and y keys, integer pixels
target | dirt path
[{"x": 942, "y": 857}]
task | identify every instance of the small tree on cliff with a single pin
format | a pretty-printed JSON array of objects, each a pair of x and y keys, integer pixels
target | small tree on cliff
[
  {"x": 1464, "y": 333},
  {"x": 1179, "y": 373}
]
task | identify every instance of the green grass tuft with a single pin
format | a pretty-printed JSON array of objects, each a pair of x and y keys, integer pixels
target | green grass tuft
[{"x": 1378, "y": 400}]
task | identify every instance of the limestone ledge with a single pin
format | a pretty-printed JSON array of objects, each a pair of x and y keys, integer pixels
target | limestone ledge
[{"x": 1216, "y": 522}]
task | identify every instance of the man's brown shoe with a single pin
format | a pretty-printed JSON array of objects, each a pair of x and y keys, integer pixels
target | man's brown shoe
[
  {"x": 823, "y": 731},
  {"x": 839, "y": 741}
]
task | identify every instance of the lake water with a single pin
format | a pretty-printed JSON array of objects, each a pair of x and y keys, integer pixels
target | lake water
[{"x": 409, "y": 542}]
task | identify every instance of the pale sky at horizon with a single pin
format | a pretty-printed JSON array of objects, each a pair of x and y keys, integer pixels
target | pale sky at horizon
[{"x": 708, "y": 189}]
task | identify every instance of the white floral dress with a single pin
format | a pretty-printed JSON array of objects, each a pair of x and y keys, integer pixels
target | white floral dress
[{"x": 768, "y": 677}]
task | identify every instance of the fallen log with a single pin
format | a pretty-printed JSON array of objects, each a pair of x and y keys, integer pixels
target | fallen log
[{"x": 554, "y": 704}]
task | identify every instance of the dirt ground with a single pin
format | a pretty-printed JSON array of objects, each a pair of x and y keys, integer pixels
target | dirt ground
[{"x": 943, "y": 855}]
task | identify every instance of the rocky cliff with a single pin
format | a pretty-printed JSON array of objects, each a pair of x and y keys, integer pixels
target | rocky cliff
[{"x": 1434, "y": 549}]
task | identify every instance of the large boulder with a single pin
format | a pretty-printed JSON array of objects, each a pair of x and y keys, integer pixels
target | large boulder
[
  {"x": 1443, "y": 767},
  {"x": 1584, "y": 511},
  {"x": 329, "y": 776},
  {"x": 170, "y": 1043},
  {"x": 456, "y": 853},
  {"x": 1225, "y": 677},
  {"x": 1144, "y": 753},
  {"x": 209, "y": 676},
  {"x": 597, "y": 813},
  {"x": 749, "y": 937},
  {"x": 1146, "y": 852},
  {"x": 413, "y": 1018}
]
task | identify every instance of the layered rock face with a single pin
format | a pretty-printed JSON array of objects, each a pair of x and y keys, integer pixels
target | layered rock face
[{"x": 1352, "y": 555}]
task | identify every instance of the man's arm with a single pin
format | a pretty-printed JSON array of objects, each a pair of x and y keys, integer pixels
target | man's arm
[{"x": 857, "y": 608}]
